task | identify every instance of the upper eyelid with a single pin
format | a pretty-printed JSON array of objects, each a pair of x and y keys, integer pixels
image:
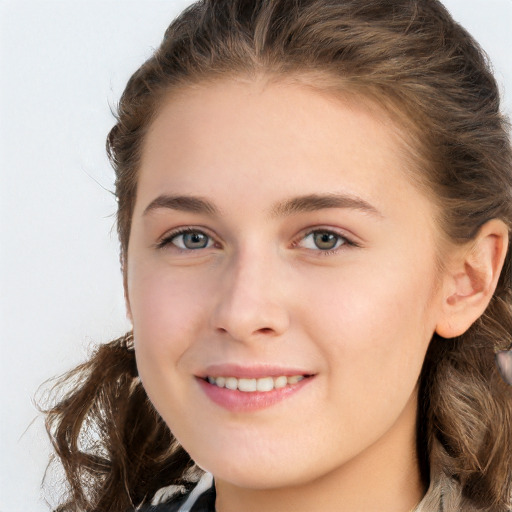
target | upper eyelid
[
  {"x": 351, "y": 239},
  {"x": 168, "y": 236}
]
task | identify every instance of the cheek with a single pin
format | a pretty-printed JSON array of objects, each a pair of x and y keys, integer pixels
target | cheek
[
  {"x": 376, "y": 316},
  {"x": 167, "y": 309}
]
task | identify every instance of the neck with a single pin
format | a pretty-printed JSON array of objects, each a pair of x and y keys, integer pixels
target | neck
[{"x": 383, "y": 478}]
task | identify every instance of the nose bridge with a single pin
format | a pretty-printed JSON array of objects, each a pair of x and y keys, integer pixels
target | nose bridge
[{"x": 250, "y": 301}]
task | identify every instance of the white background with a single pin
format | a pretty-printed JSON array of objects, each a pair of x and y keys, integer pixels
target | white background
[{"x": 62, "y": 65}]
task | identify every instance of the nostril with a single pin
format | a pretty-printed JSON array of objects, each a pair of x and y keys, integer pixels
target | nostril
[
  {"x": 242, "y": 317},
  {"x": 264, "y": 331}
]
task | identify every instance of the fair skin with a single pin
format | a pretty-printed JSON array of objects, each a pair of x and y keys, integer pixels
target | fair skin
[{"x": 343, "y": 291}]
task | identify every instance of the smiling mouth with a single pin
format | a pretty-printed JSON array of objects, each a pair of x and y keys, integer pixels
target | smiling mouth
[
  {"x": 263, "y": 384},
  {"x": 252, "y": 389}
]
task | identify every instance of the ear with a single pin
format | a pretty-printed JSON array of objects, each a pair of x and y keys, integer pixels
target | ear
[{"x": 471, "y": 278}]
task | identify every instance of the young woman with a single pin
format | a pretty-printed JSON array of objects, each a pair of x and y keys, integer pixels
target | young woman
[{"x": 315, "y": 201}]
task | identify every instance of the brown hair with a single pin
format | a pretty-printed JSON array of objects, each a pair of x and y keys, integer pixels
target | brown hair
[{"x": 410, "y": 57}]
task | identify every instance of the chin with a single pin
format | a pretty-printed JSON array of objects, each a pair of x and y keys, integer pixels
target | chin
[
  {"x": 261, "y": 469},
  {"x": 257, "y": 478}
]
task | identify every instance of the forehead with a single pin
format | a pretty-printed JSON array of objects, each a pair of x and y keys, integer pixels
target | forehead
[{"x": 275, "y": 137}]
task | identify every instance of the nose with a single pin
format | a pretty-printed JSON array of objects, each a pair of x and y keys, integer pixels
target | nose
[{"x": 251, "y": 302}]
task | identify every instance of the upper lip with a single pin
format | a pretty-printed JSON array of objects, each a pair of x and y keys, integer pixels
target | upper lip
[{"x": 250, "y": 372}]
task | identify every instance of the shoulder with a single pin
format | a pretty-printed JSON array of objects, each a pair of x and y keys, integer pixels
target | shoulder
[
  {"x": 190, "y": 502},
  {"x": 173, "y": 505}
]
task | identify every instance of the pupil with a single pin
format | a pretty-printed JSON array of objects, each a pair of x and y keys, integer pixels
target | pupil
[
  {"x": 195, "y": 240},
  {"x": 325, "y": 240}
]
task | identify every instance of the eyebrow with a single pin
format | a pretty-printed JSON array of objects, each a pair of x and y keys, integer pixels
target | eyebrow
[
  {"x": 314, "y": 202},
  {"x": 300, "y": 204},
  {"x": 191, "y": 204}
]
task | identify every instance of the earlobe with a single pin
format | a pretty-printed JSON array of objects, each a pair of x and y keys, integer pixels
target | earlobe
[{"x": 472, "y": 278}]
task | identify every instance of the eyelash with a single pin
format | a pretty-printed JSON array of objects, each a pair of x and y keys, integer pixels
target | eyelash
[
  {"x": 345, "y": 241},
  {"x": 168, "y": 239}
]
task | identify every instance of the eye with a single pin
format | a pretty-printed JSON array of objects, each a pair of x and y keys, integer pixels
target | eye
[
  {"x": 323, "y": 240},
  {"x": 188, "y": 239}
]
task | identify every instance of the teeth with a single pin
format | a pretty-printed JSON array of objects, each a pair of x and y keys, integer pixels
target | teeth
[
  {"x": 248, "y": 385},
  {"x": 280, "y": 382},
  {"x": 251, "y": 385},
  {"x": 230, "y": 383},
  {"x": 265, "y": 384}
]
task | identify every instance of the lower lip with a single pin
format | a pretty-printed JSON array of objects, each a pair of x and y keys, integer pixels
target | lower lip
[{"x": 240, "y": 401}]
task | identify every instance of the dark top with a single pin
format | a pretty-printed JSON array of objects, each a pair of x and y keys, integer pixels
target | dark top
[{"x": 204, "y": 503}]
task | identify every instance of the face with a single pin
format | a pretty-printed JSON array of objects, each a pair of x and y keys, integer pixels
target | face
[{"x": 281, "y": 281}]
